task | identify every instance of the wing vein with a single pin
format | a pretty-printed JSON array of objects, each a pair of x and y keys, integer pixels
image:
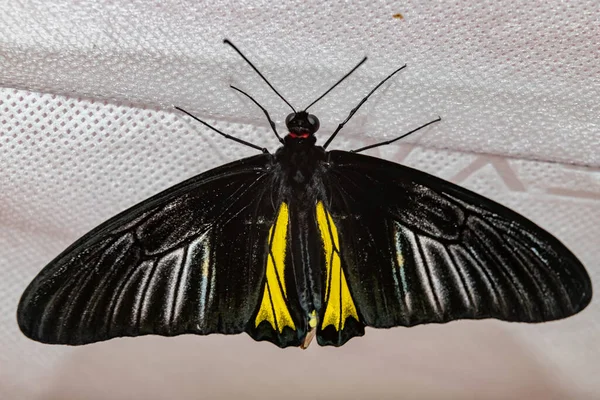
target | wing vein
[
  {"x": 116, "y": 299},
  {"x": 455, "y": 265},
  {"x": 272, "y": 307},
  {"x": 483, "y": 271},
  {"x": 176, "y": 286},
  {"x": 428, "y": 274},
  {"x": 506, "y": 273},
  {"x": 140, "y": 308}
]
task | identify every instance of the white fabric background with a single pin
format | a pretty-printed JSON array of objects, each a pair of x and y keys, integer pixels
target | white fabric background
[{"x": 87, "y": 129}]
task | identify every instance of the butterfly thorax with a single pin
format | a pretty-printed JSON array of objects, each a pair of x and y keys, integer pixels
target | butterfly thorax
[{"x": 299, "y": 159}]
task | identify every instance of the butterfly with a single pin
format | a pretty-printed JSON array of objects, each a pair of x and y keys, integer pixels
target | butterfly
[{"x": 301, "y": 243}]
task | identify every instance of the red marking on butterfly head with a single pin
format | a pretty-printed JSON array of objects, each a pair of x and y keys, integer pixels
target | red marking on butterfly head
[
  {"x": 301, "y": 125},
  {"x": 301, "y": 136}
]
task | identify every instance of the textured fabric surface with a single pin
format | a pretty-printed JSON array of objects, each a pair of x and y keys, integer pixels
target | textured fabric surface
[{"x": 87, "y": 129}]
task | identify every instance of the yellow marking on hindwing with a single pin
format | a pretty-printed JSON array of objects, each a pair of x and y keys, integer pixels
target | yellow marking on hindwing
[
  {"x": 313, "y": 320},
  {"x": 339, "y": 303},
  {"x": 400, "y": 260},
  {"x": 273, "y": 307}
]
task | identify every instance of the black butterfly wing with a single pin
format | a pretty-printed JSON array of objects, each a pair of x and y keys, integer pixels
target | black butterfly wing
[
  {"x": 417, "y": 249},
  {"x": 188, "y": 260}
]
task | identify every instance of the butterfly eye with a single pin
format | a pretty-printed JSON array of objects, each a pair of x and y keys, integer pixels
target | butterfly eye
[
  {"x": 288, "y": 119},
  {"x": 314, "y": 122}
]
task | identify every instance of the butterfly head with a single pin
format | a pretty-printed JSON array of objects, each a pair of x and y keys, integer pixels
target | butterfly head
[{"x": 301, "y": 125}]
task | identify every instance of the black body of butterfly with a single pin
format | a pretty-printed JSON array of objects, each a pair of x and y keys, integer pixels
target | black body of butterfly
[{"x": 299, "y": 243}]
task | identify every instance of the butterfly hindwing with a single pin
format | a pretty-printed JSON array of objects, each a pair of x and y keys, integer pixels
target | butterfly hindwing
[
  {"x": 416, "y": 249},
  {"x": 338, "y": 319},
  {"x": 279, "y": 319},
  {"x": 189, "y": 260}
]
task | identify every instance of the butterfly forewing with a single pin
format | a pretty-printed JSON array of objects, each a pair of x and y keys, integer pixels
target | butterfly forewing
[
  {"x": 189, "y": 260},
  {"x": 418, "y": 249}
]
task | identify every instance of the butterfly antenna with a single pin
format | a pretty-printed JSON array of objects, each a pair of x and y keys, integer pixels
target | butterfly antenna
[
  {"x": 398, "y": 138},
  {"x": 355, "y": 109},
  {"x": 226, "y": 41},
  {"x": 262, "y": 108},
  {"x": 264, "y": 150},
  {"x": 337, "y": 83}
]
